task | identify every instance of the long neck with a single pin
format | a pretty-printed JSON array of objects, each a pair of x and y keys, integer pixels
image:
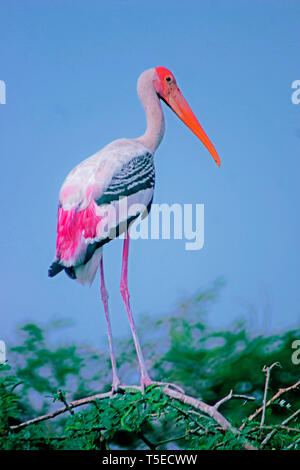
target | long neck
[{"x": 155, "y": 119}]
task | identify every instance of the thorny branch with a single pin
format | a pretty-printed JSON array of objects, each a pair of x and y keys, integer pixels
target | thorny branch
[
  {"x": 231, "y": 396},
  {"x": 280, "y": 392},
  {"x": 267, "y": 370},
  {"x": 274, "y": 431},
  {"x": 209, "y": 410},
  {"x": 199, "y": 408},
  {"x": 62, "y": 398}
]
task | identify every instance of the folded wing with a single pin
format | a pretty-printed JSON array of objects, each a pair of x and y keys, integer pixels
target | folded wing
[{"x": 88, "y": 217}]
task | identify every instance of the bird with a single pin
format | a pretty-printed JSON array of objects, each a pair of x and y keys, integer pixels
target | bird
[{"x": 105, "y": 193}]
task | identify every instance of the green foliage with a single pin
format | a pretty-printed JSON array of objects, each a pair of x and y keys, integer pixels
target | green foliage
[
  {"x": 8, "y": 398},
  {"x": 184, "y": 350}
]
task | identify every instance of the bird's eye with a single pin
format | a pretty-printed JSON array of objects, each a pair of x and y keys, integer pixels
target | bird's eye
[{"x": 168, "y": 79}]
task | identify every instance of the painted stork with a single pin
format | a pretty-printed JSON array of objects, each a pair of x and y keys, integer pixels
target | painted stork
[{"x": 91, "y": 201}]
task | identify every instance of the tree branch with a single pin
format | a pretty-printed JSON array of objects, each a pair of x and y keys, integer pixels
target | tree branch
[
  {"x": 71, "y": 405},
  {"x": 62, "y": 398},
  {"x": 209, "y": 410},
  {"x": 231, "y": 396},
  {"x": 280, "y": 392},
  {"x": 274, "y": 431},
  {"x": 267, "y": 370}
]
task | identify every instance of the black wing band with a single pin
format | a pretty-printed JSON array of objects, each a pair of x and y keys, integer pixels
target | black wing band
[{"x": 134, "y": 176}]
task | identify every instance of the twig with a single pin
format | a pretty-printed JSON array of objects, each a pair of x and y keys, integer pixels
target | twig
[
  {"x": 64, "y": 401},
  {"x": 209, "y": 410},
  {"x": 293, "y": 444},
  {"x": 72, "y": 404},
  {"x": 274, "y": 426},
  {"x": 274, "y": 431},
  {"x": 280, "y": 392},
  {"x": 179, "y": 438},
  {"x": 186, "y": 414},
  {"x": 267, "y": 370},
  {"x": 231, "y": 396}
]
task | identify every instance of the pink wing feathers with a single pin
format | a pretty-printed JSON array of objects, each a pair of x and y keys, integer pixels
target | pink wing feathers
[
  {"x": 73, "y": 229},
  {"x": 77, "y": 220},
  {"x": 90, "y": 212}
]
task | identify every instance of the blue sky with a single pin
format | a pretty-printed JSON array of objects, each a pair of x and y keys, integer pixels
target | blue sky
[{"x": 70, "y": 69}]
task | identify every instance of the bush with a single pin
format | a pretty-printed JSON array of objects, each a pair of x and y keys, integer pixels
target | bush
[{"x": 204, "y": 362}]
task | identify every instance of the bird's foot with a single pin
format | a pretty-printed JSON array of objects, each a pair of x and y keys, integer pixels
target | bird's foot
[
  {"x": 115, "y": 386},
  {"x": 176, "y": 387},
  {"x": 147, "y": 382}
]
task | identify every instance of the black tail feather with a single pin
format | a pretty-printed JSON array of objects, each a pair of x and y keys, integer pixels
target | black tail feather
[
  {"x": 54, "y": 269},
  {"x": 71, "y": 272}
]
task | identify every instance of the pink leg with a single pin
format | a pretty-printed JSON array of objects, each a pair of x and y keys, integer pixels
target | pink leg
[
  {"x": 104, "y": 296},
  {"x": 145, "y": 379}
]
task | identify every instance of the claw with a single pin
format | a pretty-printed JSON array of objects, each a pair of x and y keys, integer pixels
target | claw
[
  {"x": 170, "y": 385},
  {"x": 115, "y": 386},
  {"x": 146, "y": 382}
]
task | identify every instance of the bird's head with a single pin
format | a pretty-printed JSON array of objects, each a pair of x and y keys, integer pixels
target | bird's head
[{"x": 167, "y": 89}]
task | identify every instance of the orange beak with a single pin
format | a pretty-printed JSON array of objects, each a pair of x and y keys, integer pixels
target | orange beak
[{"x": 180, "y": 106}]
